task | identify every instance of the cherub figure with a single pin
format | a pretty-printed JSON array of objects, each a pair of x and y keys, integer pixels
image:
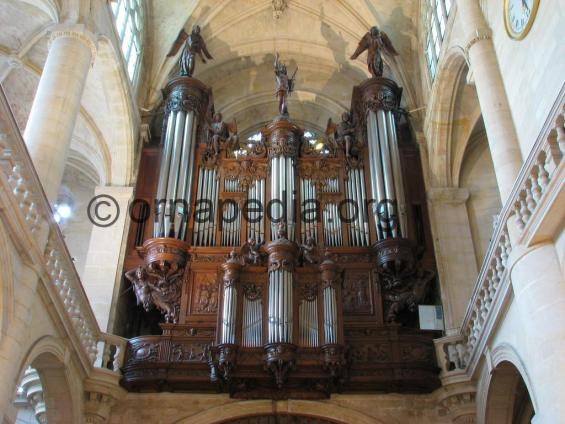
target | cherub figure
[
  {"x": 194, "y": 45},
  {"x": 251, "y": 252},
  {"x": 375, "y": 41},
  {"x": 285, "y": 85},
  {"x": 309, "y": 251}
]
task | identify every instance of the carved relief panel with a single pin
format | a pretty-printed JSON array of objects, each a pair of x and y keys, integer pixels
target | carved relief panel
[
  {"x": 204, "y": 294},
  {"x": 358, "y": 295}
]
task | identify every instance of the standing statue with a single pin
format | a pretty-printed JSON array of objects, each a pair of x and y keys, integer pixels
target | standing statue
[
  {"x": 285, "y": 85},
  {"x": 375, "y": 42},
  {"x": 194, "y": 45}
]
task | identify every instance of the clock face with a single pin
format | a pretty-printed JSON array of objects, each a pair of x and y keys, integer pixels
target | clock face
[{"x": 519, "y": 16}]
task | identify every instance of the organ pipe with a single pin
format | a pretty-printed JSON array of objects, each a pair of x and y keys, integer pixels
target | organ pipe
[{"x": 185, "y": 100}]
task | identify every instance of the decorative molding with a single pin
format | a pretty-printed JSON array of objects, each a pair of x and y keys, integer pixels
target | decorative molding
[{"x": 77, "y": 32}]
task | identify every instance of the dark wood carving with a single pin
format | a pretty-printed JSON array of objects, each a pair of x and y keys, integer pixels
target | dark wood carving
[{"x": 379, "y": 347}]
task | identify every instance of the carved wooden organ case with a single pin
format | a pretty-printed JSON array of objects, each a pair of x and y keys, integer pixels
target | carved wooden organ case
[{"x": 311, "y": 293}]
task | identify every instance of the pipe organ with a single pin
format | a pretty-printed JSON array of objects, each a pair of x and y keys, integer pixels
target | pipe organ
[{"x": 282, "y": 267}]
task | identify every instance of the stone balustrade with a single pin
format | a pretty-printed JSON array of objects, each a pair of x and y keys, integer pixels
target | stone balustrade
[
  {"x": 541, "y": 178},
  {"x": 111, "y": 352},
  {"x": 27, "y": 203}
]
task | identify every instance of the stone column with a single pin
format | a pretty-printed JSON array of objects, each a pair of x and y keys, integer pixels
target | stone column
[
  {"x": 57, "y": 102},
  {"x": 502, "y": 138},
  {"x": 102, "y": 273},
  {"x": 454, "y": 250},
  {"x": 539, "y": 293}
]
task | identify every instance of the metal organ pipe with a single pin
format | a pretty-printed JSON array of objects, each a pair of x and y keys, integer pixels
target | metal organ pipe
[{"x": 232, "y": 269}]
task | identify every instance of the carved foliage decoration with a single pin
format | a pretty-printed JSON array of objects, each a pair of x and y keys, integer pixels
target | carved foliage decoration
[
  {"x": 246, "y": 172},
  {"x": 319, "y": 172},
  {"x": 252, "y": 291},
  {"x": 283, "y": 142}
]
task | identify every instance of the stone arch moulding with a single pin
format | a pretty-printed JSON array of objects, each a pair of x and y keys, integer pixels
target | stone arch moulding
[
  {"x": 500, "y": 354},
  {"x": 124, "y": 118},
  {"x": 440, "y": 113},
  {"x": 6, "y": 282},
  {"x": 241, "y": 409},
  {"x": 51, "y": 358}
]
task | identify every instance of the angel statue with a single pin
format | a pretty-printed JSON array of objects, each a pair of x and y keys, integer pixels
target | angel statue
[
  {"x": 342, "y": 135},
  {"x": 375, "y": 41},
  {"x": 194, "y": 45},
  {"x": 285, "y": 85}
]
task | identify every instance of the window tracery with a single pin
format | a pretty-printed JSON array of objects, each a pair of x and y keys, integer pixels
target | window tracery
[
  {"x": 128, "y": 18},
  {"x": 436, "y": 14}
]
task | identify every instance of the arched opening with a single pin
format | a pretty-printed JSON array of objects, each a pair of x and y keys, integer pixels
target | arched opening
[
  {"x": 508, "y": 399},
  {"x": 43, "y": 392},
  {"x": 279, "y": 419},
  {"x": 478, "y": 177}
]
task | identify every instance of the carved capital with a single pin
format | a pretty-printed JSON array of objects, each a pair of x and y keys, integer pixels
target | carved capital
[
  {"x": 97, "y": 407},
  {"x": 283, "y": 139},
  {"x": 186, "y": 94},
  {"x": 460, "y": 404},
  {"x": 376, "y": 94},
  {"x": 330, "y": 271},
  {"x": 335, "y": 361},
  {"x": 480, "y": 35},
  {"x": 77, "y": 32},
  {"x": 282, "y": 255},
  {"x": 232, "y": 270},
  {"x": 222, "y": 361}
]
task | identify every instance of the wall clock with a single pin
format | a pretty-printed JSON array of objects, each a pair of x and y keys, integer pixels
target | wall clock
[{"x": 519, "y": 15}]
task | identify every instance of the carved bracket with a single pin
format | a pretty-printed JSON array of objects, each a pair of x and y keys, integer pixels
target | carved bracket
[{"x": 280, "y": 360}]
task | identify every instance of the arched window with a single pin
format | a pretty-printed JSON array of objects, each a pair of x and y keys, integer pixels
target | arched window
[
  {"x": 128, "y": 16},
  {"x": 436, "y": 13}
]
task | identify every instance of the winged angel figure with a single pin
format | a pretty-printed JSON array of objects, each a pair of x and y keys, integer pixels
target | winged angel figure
[
  {"x": 375, "y": 41},
  {"x": 194, "y": 45}
]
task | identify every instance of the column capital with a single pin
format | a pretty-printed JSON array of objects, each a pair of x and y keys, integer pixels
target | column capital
[
  {"x": 480, "y": 34},
  {"x": 448, "y": 195},
  {"x": 78, "y": 32}
]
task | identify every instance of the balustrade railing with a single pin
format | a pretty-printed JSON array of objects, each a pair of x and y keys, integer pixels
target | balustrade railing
[
  {"x": 541, "y": 174},
  {"x": 20, "y": 182}
]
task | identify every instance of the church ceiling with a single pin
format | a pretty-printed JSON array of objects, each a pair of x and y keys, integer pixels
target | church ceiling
[{"x": 314, "y": 35}]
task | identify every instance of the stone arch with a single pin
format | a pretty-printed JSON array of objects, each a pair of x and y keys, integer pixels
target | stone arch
[
  {"x": 122, "y": 117},
  {"x": 506, "y": 385},
  {"x": 476, "y": 174},
  {"x": 321, "y": 410},
  {"x": 63, "y": 399},
  {"x": 440, "y": 115}
]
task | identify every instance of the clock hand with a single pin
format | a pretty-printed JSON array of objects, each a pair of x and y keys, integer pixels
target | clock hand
[{"x": 525, "y": 5}]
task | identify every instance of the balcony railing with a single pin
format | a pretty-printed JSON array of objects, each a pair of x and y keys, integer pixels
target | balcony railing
[
  {"x": 30, "y": 213},
  {"x": 537, "y": 186}
]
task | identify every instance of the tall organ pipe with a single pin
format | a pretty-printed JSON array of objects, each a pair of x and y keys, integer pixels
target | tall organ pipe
[
  {"x": 378, "y": 99},
  {"x": 186, "y": 99},
  {"x": 330, "y": 287},
  {"x": 232, "y": 269}
]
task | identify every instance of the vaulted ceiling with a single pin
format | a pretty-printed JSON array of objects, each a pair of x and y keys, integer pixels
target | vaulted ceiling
[{"x": 317, "y": 36}]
